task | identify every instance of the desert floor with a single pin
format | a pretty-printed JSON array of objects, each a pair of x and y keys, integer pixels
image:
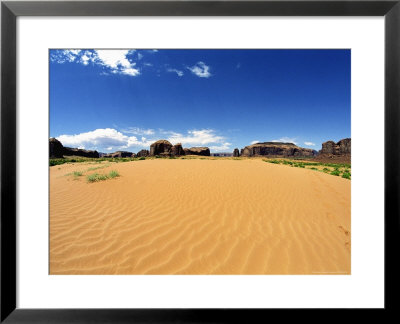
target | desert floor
[{"x": 198, "y": 216}]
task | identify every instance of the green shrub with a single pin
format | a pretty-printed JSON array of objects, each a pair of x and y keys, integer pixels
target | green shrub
[
  {"x": 96, "y": 177},
  {"x": 113, "y": 174},
  {"x": 53, "y": 162},
  {"x": 335, "y": 173},
  {"x": 346, "y": 175},
  {"x": 75, "y": 174},
  {"x": 143, "y": 158},
  {"x": 99, "y": 167}
]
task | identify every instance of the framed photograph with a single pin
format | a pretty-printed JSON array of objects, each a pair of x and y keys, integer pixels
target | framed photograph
[{"x": 192, "y": 161}]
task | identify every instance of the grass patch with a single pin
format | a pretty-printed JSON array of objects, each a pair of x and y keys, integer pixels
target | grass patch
[
  {"x": 346, "y": 175},
  {"x": 95, "y": 177},
  {"x": 142, "y": 158},
  {"x": 99, "y": 167},
  {"x": 53, "y": 162},
  {"x": 336, "y": 169},
  {"x": 272, "y": 161},
  {"x": 335, "y": 173},
  {"x": 113, "y": 174},
  {"x": 76, "y": 174}
]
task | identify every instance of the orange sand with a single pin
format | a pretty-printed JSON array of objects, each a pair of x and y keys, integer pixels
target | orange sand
[{"x": 199, "y": 217}]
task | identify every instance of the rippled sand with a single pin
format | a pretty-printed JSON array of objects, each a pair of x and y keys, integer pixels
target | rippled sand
[{"x": 199, "y": 217}]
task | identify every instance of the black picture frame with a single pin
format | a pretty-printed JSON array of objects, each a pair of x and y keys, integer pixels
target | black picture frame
[{"x": 10, "y": 10}]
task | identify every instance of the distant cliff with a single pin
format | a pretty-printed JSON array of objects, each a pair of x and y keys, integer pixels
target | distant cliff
[
  {"x": 343, "y": 147},
  {"x": 165, "y": 148},
  {"x": 339, "y": 152},
  {"x": 277, "y": 149},
  {"x": 119, "y": 154},
  {"x": 57, "y": 150}
]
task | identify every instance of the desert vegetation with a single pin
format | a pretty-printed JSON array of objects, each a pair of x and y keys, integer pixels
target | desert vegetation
[
  {"x": 335, "y": 169},
  {"x": 59, "y": 161},
  {"x": 92, "y": 177},
  {"x": 95, "y": 177}
]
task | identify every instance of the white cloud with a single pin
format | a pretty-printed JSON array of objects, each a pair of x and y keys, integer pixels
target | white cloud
[
  {"x": 111, "y": 139},
  {"x": 85, "y": 59},
  {"x": 200, "y": 69},
  {"x": 286, "y": 140},
  {"x": 138, "y": 131},
  {"x": 103, "y": 137},
  {"x": 196, "y": 137},
  {"x": 63, "y": 56},
  {"x": 223, "y": 147},
  {"x": 254, "y": 142},
  {"x": 116, "y": 61},
  {"x": 178, "y": 72},
  {"x": 309, "y": 143}
]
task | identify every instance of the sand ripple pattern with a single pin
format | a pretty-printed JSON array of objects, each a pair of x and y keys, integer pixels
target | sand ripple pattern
[{"x": 200, "y": 217}]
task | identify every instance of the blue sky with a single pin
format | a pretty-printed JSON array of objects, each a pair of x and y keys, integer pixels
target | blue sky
[{"x": 112, "y": 100}]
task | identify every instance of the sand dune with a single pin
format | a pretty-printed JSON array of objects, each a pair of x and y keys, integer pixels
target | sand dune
[{"x": 199, "y": 217}]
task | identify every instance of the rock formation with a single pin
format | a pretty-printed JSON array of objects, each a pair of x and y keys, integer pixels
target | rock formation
[
  {"x": 161, "y": 147},
  {"x": 205, "y": 151},
  {"x": 277, "y": 149},
  {"x": 57, "y": 150},
  {"x": 177, "y": 150},
  {"x": 119, "y": 154},
  {"x": 236, "y": 152},
  {"x": 222, "y": 154},
  {"x": 142, "y": 153},
  {"x": 341, "y": 148},
  {"x": 69, "y": 151}
]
